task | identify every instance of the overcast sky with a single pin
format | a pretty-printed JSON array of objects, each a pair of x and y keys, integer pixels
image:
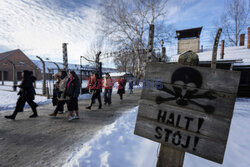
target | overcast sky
[{"x": 39, "y": 27}]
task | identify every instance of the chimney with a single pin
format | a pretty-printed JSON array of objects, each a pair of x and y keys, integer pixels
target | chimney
[
  {"x": 242, "y": 39},
  {"x": 222, "y": 49},
  {"x": 248, "y": 37}
]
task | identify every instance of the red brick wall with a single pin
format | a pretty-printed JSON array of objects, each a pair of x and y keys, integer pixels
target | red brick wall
[{"x": 22, "y": 63}]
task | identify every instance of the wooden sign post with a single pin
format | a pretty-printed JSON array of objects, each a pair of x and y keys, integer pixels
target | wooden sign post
[{"x": 188, "y": 109}]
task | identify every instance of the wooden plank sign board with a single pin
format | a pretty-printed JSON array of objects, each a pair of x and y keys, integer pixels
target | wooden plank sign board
[{"x": 188, "y": 108}]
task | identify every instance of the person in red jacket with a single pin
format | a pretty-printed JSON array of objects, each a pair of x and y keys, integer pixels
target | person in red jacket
[
  {"x": 108, "y": 86},
  {"x": 96, "y": 91}
]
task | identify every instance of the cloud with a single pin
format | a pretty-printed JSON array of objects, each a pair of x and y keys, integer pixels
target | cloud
[
  {"x": 40, "y": 28},
  {"x": 104, "y": 159}
]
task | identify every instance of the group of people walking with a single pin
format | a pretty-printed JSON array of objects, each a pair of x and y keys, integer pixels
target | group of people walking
[
  {"x": 96, "y": 84},
  {"x": 66, "y": 91}
]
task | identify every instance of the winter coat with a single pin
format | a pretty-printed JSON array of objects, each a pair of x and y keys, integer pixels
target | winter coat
[
  {"x": 108, "y": 83},
  {"x": 27, "y": 90},
  {"x": 73, "y": 90},
  {"x": 121, "y": 86},
  {"x": 62, "y": 87},
  {"x": 91, "y": 83},
  {"x": 97, "y": 86},
  {"x": 55, "y": 93}
]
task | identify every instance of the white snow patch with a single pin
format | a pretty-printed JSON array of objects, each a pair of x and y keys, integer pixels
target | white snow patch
[{"x": 136, "y": 151}]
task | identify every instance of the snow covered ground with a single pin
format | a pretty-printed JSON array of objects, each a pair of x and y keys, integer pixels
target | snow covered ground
[
  {"x": 8, "y": 98},
  {"x": 116, "y": 145}
]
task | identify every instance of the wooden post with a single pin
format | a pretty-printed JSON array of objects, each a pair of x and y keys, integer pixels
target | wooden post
[
  {"x": 169, "y": 156},
  {"x": 215, "y": 47},
  {"x": 81, "y": 74},
  {"x": 164, "y": 57},
  {"x": 47, "y": 91},
  {"x": 44, "y": 76},
  {"x": 2, "y": 77},
  {"x": 65, "y": 57},
  {"x": 150, "y": 55},
  {"x": 14, "y": 75}
]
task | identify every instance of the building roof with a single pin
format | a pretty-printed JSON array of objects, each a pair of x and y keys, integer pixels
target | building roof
[
  {"x": 51, "y": 65},
  {"x": 189, "y": 33},
  {"x": 238, "y": 55},
  {"x": 7, "y": 54},
  {"x": 75, "y": 67}
]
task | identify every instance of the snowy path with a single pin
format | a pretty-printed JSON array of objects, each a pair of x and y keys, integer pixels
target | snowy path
[
  {"x": 116, "y": 145},
  {"x": 48, "y": 141}
]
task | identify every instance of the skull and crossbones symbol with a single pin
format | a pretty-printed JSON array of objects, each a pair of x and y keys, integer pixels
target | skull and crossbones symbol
[{"x": 183, "y": 80}]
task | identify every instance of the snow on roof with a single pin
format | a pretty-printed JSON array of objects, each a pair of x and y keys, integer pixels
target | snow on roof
[
  {"x": 74, "y": 67},
  {"x": 231, "y": 53},
  {"x": 117, "y": 74}
]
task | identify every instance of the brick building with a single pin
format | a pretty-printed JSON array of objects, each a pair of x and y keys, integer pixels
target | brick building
[{"x": 20, "y": 61}]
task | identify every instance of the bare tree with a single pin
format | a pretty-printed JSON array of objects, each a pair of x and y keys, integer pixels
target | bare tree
[
  {"x": 126, "y": 22},
  {"x": 122, "y": 61},
  {"x": 95, "y": 46},
  {"x": 125, "y": 60},
  {"x": 235, "y": 20}
]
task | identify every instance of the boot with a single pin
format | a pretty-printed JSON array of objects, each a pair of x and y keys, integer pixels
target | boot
[
  {"x": 89, "y": 107},
  {"x": 10, "y": 117},
  {"x": 52, "y": 115},
  {"x": 100, "y": 107},
  {"x": 13, "y": 116},
  {"x": 34, "y": 115}
]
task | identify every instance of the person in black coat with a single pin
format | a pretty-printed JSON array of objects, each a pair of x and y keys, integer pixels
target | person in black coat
[
  {"x": 55, "y": 90},
  {"x": 96, "y": 91},
  {"x": 121, "y": 87},
  {"x": 72, "y": 92},
  {"x": 26, "y": 94}
]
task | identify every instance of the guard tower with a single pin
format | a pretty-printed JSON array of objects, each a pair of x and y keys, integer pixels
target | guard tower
[{"x": 189, "y": 39}]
